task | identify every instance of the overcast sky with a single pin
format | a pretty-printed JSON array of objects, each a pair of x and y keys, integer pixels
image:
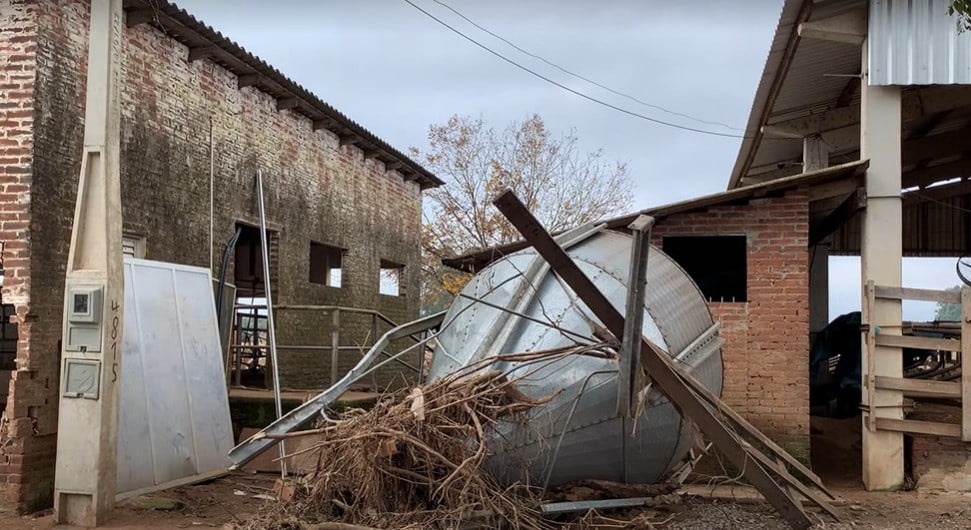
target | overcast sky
[{"x": 396, "y": 71}]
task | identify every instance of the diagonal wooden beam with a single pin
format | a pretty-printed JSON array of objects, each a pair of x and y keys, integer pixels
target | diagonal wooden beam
[
  {"x": 850, "y": 90},
  {"x": 923, "y": 126},
  {"x": 663, "y": 373},
  {"x": 821, "y": 229}
]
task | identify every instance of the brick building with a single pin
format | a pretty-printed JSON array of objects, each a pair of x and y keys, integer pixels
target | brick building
[{"x": 200, "y": 116}]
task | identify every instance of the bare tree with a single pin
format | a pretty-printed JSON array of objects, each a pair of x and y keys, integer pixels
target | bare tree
[{"x": 561, "y": 184}]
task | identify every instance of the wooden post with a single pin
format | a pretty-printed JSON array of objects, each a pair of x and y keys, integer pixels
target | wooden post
[
  {"x": 335, "y": 346},
  {"x": 965, "y": 370},
  {"x": 634, "y": 320},
  {"x": 882, "y": 254},
  {"x": 87, "y": 424}
]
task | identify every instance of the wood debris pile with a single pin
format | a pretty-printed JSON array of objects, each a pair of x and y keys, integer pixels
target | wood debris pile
[{"x": 415, "y": 460}]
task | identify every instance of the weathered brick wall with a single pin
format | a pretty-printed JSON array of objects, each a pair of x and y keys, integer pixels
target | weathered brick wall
[
  {"x": 766, "y": 352},
  {"x": 940, "y": 463},
  {"x": 175, "y": 115},
  {"x": 26, "y": 433}
]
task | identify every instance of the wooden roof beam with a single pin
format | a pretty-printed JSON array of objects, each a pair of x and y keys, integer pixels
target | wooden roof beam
[
  {"x": 822, "y": 229},
  {"x": 936, "y": 146},
  {"x": 201, "y": 52},
  {"x": 136, "y": 17},
  {"x": 850, "y": 90},
  {"x": 324, "y": 123},
  {"x": 246, "y": 80},
  {"x": 350, "y": 139},
  {"x": 926, "y": 176},
  {"x": 849, "y": 27},
  {"x": 287, "y": 103},
  {"x": 832, "y": 119}
]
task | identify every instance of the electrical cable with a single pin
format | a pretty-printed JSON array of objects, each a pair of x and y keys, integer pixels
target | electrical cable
[
  {"x": 581, "y": 94},
  {"x": 578, "y": 76}
]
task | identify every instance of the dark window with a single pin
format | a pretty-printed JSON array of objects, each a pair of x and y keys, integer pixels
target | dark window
[
  {"x": 715, "y": 263},
  {"x": 391, "y": 280},
  {"x": 8, "y": 340},
  {"x": 326, "y": 264}
]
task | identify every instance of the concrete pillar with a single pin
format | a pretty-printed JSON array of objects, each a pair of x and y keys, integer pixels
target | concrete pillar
[
  {"x": 818, "y": 288},
  {"x": 882, "y": 254},
  {"x": 87, "y": 441}
]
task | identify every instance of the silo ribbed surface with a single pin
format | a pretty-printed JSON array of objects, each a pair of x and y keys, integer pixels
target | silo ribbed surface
[{"x": 581, "y": 420}]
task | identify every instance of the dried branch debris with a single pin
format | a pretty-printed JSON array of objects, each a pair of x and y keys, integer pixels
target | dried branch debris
[{"x": 416, "y": 460}]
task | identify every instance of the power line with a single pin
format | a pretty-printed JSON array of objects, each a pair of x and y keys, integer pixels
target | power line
[
  {"x": 578, "y": 76},
  {"x": 576, "y": 92}
]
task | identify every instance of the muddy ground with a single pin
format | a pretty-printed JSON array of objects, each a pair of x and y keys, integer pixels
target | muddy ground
[{"x": 222, "y": 502}]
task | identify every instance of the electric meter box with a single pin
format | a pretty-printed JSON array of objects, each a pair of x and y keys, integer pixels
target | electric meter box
[{"x": 84, "y": 314}]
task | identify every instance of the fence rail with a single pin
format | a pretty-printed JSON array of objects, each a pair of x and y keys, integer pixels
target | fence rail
[{"x": 889, "y": 336}]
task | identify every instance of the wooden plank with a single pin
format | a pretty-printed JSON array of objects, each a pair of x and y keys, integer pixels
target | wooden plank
[
  {"x": 634, "y": 319},
  {"x": 779, "y": 469},
  {"x": 869, "y": 377},
  {"x": 663, "y": 373},
  {"x": 965, "y": 370},
  {"x": 920, "y": 387},
  {"x": 927, "y": 295},
  {"x": 920, "y": 343},
  {"x": 932, "y": 428}
]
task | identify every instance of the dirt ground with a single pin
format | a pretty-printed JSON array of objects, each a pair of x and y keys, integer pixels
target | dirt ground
[
  {"x": 230, "y": 499},
  {"x": 835, "y": 456}
]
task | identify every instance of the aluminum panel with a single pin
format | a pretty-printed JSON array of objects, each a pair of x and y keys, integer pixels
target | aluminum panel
[
  {"x": 915, "y": 42},
  {"x": 174, "y": 417}
]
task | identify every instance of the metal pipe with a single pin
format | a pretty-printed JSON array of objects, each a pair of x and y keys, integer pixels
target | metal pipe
[
  {"x": 212, "y": 181},
  {"x": 270, "y": 331},
  {"x": 335, "y": 346}
]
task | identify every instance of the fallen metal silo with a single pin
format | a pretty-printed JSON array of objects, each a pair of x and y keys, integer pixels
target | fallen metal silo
[{"x": 518, "y": 305}]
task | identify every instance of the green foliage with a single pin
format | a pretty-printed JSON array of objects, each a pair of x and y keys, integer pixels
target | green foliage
[
  {"x": 949, "y": 312},
  {"x": 962, "y": 10}
]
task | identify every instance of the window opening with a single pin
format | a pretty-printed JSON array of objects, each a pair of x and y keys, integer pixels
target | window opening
[
  {"x": 326, "y": 264},
  {"x": 716, "y": 263},
  {"x": 391, "y": 279}
]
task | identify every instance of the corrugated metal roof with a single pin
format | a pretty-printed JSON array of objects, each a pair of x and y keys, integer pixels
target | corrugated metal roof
[
  {"x": 185, "y": 28},
  {"x": 915, "y": 42},
  {"x": 776, "y": 66}
]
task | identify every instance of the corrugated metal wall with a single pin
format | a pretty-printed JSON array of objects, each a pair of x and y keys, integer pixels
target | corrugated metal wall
[
  {"x": 915, "y": 42},
  {"x": 935, "y": 228}
]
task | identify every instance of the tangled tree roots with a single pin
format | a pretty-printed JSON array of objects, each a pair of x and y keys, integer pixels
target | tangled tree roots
[{"x": 413, "y": 461}]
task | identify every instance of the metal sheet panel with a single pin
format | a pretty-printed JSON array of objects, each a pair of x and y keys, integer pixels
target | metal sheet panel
[
  {"x": 579, "y": 433},
  {"x": 915, "y": 42},
  {"x": 174, "y": 417}
]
